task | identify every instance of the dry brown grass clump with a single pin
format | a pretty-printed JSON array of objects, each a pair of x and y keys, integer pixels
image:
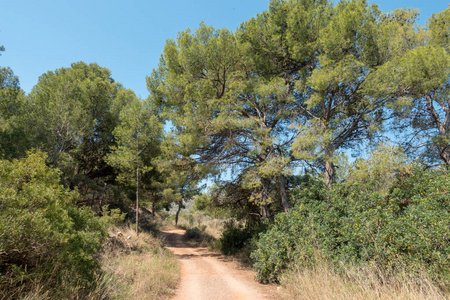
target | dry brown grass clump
[
  {"x": 356, "y": 283},
  {"x": 138, "y": 266},
  {"x": 40, "y": 290},
  {"x": 209, "y": 225},
  {"x": 134, "y": 267}
]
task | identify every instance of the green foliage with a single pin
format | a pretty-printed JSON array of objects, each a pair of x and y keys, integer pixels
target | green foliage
[
  {"x": 439, "y": 29},
  {"x": 13, "y": 133},
  {"x": 422, "y": 77},
  {"x": 10, "y": 93},
  {"x": 43, "y": 235},
  {"x": 70, "y": 114},
  {"x": 234, "y": 238},
  {"x": 194, "y": 233},
  {"x": 405, "y": 228},
  {"x": 113, "y": 216},
  {"x": 329, "y": 56},
  {"x": 277, "y": 246},
  {"x": 202, "y": 202},
  {"x": 205, "y": 203},
  {"x": 222, "y": 114},
  {"x": 69, "y": 106},
  {"x": 137, "y": 137},
  {"x": 299, "y": 82}
]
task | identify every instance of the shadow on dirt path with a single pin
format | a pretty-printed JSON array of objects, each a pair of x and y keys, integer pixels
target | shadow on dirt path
[{"x": 208, "y": 275}]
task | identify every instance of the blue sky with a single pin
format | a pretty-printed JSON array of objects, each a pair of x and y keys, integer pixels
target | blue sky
[{"x": 126, "y": 37}]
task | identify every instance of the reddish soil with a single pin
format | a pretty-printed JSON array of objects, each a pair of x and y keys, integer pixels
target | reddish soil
[{"x": 208, "y": 275}]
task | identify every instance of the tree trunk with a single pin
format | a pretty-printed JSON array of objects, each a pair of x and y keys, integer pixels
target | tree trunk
[
  {"x": 283, "y": 194},
  {"x": 445, "y": 155},
  {"x": 444, "y": 150},
  {"x": 178, "y": 212},
  {"x": 329, "y": 167},
  {"x": 154, "y": 206},
  {"x": 265, "y": 210}
]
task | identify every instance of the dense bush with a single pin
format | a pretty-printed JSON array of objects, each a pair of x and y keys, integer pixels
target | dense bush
[
  {"x": 193, "y": 233},
  {"x": 405, "y": 228},
  {"x": 44, "y": 237},
  {"x": 239, "y": 239},
  {"x": 234, "y": 238}
]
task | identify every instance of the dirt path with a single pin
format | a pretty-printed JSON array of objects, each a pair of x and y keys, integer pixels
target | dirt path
[{"x": 207, "y": 275}]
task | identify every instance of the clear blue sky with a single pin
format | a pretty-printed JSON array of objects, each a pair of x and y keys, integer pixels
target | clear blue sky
[{"x": 126, "y": 37}]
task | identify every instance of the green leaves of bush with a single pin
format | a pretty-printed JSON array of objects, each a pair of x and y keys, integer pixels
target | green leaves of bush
[
  {"x": 43, "y": 235},
  {"x": 405, "y": 230}
]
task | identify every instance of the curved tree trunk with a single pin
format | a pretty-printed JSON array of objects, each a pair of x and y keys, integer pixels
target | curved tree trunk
[
  {"x": 180, "y": 204},
  {"x": 442, "y": 126},
  {"x": 445, "y": 155},
  {"x": 284, "y": 199}
]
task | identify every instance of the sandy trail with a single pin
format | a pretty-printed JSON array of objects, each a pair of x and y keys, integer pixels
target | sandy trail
[{"x": 207, "y": 275}]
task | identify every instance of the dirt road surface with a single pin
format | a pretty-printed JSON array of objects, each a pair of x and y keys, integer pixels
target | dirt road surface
[{"x": 208, "y": 275}]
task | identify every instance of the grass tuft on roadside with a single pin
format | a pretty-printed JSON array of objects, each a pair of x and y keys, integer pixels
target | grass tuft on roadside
[
  {"x": 138, "y": 266},
  {"x": 369, "y": 283}
]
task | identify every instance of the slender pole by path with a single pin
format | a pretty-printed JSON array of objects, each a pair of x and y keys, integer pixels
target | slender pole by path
[{"x": 137, "y": 186}]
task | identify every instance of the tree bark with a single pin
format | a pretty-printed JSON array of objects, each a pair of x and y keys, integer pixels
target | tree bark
[
  {"x": 283, "y": 194},
  {"x": 265, "y": 210},
  {"x": 445, "y": 155},
  {"x": 154, "y": 206},
  {"x": 178, "y": 212},
  {"x": 329, "y": 167},
  {"x": 444, "y": 150}
]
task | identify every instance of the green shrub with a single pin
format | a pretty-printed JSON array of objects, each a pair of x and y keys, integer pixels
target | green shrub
[
  {"x": 193, "y": 233},
  {"x": 199, "y": 236},
  {"x": 43, "y": 236},
  {"x": 404, "y": 229},
  {"x": 235, "y": 238},
  {"x": 296, "y": 235},
  {"x": 113, "y": 216}
]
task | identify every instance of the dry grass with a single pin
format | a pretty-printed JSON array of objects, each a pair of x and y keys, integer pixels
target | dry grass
[
  {"x": 43, "y": 290},
  {"x": 356, "y": 283},
  {"x": 202, "y": 230},
  {"x": 138, "y": 266},
  {"x": 134, "y": 267},
  {"x": 211, "y": 226}
]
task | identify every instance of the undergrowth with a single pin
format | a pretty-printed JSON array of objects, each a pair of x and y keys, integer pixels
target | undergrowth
[
  {"x": 138, "y": 266},
  {"x": 368, "y": 282}
]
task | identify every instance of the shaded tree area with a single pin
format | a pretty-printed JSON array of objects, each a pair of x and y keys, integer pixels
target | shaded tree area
[
  {"x": 137, "y": 143},
  {"x": 13, "y": 136},
  {"x": 72, "y": 114},
  {"x": 47, "y": 241}
]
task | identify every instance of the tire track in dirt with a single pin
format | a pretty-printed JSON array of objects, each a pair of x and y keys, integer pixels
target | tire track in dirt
[{"x": 208, "y": 275}]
